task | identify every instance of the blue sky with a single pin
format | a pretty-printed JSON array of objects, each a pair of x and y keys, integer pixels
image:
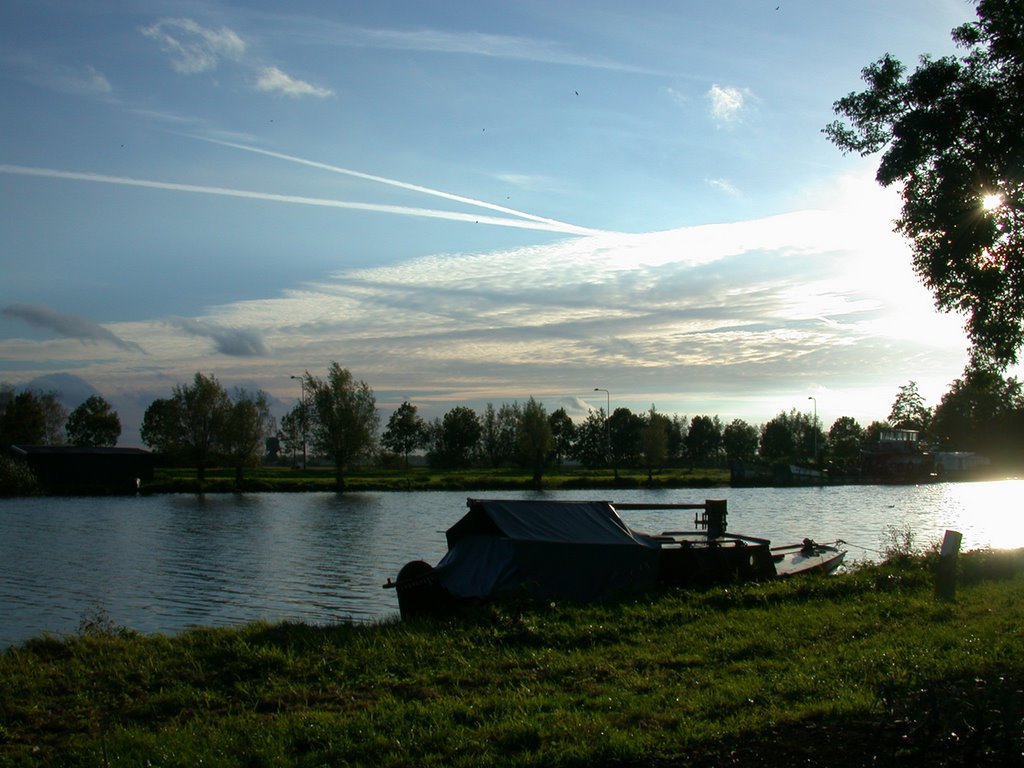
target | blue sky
[{"x": 461, "y": 202}]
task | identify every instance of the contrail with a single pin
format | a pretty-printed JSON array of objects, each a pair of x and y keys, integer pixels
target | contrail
[
  {"x": 402, "y": 210},
  {"x": 561, "y": 225}
]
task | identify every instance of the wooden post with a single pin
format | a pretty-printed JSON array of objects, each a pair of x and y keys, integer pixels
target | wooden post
[{"x": 945, "y": 573}]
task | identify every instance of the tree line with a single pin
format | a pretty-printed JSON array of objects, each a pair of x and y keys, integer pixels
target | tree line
[{"x": 201, "y": 424}]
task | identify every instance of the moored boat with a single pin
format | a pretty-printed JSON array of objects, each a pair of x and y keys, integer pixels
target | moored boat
[{"x": 581, "y": 551}]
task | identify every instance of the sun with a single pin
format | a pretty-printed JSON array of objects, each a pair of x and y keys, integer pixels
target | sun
[{"x": 991, "y": 201}]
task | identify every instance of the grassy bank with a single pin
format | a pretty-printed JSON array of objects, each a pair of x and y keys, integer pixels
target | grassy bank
[
  {"x": 285, "y": 479},
  {"x": 860, "y": 668}
]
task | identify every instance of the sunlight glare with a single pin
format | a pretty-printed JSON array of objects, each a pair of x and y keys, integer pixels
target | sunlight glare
[{"x": 991, "y": 201}]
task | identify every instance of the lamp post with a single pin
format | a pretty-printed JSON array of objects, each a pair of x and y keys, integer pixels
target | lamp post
[
  {"x": 607, "y": 423},
  {"x": 814, "y": 426},
  {"x": 302, "y": 415}
]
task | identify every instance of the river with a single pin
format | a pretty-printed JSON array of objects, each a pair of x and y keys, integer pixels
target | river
[{"x": 165, "y": 563}]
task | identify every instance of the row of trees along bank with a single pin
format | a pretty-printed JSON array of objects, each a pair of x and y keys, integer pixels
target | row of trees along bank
[{"x": 202, "y": 425}]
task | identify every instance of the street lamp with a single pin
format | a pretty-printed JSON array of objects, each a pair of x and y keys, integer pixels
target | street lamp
[
  {"x": 607, "y": 423},
  {"x": 814, "y": 426},
  {"x": 302, "y": 415}
]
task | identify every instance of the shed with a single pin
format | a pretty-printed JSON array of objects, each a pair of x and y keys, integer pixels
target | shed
[{"x": 81, "y": 468}]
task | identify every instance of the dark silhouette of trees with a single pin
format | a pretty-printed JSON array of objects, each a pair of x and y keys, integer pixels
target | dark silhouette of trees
[
  {"x": 654, "y": 441},
  {"x": 189, "y": 424},
  {"x": 246, "y": 425},
  {"x": 30, "y": 418},
  {"x": 456, "y": 438},
  {"x": 908, "y": 409},
  {"x": 845, "y": 438},
  {"x": 739, "y": 440},
  {"x": 499, "y": 433},
  {"x": 703, "y": 440},
  {"x": 563, "y": 430},
  {"x": 592, "y": 448},
  {"x": 536, "y": 441},
  {"x": 982, "y": 412},
  {"x": 405, "y": 432},
  {"x": 344, "y": 418},
  {"x": 952, "y": 139},
  {"x": 625, "y": 429},
  {"x": 94, "y": 424}
]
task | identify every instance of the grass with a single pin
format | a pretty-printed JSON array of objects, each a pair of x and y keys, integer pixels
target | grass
[
  {"x": 285, "y": 479},
  {"x": 765, "y": 672}
]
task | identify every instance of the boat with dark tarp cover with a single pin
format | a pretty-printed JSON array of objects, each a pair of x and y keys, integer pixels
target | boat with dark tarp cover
[{"x": 582, "y": 551}]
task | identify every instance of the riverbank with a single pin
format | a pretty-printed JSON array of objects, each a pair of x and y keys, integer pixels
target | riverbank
[
  {"x": 288, "y": 480},
  {"x": 863, "y": 668}
]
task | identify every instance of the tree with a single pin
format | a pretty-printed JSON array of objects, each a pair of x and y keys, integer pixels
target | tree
[
  {"x": 983, "y": 412},
  {"x": 789, "y": 437},
  {"x": 739, "y": 439},
  {"x": 564, "y": 432},
  {"x": 247, "y": 423},
  {"x": 161, "y": 428},
  {"x": 344, "y": 418},
  {"x": 952, "y": 139},
  {"x": 845, "y": 438},
  {"x": 405, "y": 431},
  {"x": 704, "y": 440},
  {"x": 536, "y": 442},
  {"x": 294, "y": 428},
  {"x": 457, "y": 440},
  {"x": 499, "y": 433},
  {"x": 624, "y": 429},
  {"x": 93, "y": 423},
  {"x": 654, "y": 441},
  {"x": 31, "y": 418},
  {"x": 908, "y": 409},
  {"x": 591, "y": 448}
]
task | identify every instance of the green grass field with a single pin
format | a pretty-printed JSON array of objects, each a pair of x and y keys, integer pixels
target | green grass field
[{"x": 863, "y": 668}]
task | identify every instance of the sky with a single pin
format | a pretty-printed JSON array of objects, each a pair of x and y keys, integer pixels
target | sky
[{"x": 585, "y": 202}]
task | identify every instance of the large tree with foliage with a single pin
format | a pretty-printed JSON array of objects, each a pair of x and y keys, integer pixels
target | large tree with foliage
[
  {"x": 740, "y": 439},
  {"x": 845, "y": 439},
  {"x": 93, "y": 423},
  {"x": 405, "y": 431},
  {"x": 563, "y": 430},
  {"x": 908, "y": 409},
  {"x": 626, "y": 431},
  {"x": 654, "y": 441},
  {"x": 247, "y": 423},
  {"x": 456, "y": 438},
  {"x": 704, "y": 440},
  {"x": 30, "y": 418},
  {"x": 344, "y": 418},
  {"x": 982, "y": 412},
  {"x": 592, "y": 448},
  {"x": 951, "y": 131},
  {"x": 189, "y": 425},
  {"x": 536, "y": 442}
]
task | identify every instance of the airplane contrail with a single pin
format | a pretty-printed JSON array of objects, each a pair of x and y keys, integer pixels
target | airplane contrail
[
  {"x": 563, "y": 226},
  {"x": 543, "y": 225}
]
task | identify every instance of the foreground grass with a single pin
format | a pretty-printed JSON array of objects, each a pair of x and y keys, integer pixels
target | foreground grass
[
  {"x": 755, "y": 674},
  {"x": 285, "y": 479}
]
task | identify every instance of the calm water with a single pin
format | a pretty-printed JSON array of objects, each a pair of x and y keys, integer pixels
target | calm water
[{"x": 161, "y": 564}]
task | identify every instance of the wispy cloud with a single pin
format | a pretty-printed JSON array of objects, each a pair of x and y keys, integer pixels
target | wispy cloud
[
  {"x": 727, "y": 103},
  {"x": 724, "y": 185},
  {"x": 69, "y": 326},
  {"x": 236, "y": 342},
  {"x": 194, "y": 48},
  {"x": 82, "y": 80},
  {"x": 273, "y": 80},
  {"x": 535, "y": 223}
]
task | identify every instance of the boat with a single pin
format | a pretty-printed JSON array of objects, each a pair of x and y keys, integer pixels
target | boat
[
  {"x": 582, "y": 551},
  {"x": 808, "y": 557}
]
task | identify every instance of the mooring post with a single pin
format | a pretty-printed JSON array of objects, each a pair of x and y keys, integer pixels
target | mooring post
[{"x": 945, "y": 573}]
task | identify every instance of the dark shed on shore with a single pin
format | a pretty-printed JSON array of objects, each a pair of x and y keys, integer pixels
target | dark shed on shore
[{"x": 70, "y": 466}]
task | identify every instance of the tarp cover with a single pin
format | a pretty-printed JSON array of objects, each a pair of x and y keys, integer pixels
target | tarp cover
[{"x": 549, "y": 549}]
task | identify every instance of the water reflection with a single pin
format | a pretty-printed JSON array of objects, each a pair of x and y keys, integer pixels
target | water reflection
[{"x": 161, "y": 564}]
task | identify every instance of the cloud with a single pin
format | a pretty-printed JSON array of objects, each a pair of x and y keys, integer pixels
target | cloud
[
  {"x": 194, "y": 48},
  {"x": 273, "y": 80},
  {"x": 69, "y": 326},
  {"x": 724, "y": 185},
  {"x": 235, "y": 342},
  {"x": 727, "y": 102},
  {"x": 80, "y": 81}
]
